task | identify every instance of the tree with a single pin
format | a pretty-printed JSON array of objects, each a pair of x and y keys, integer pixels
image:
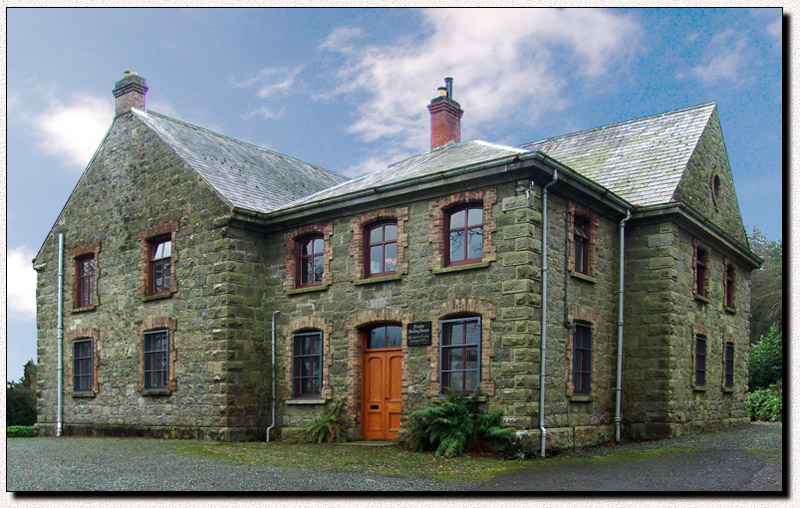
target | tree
[
  {"x": 766, "y": 286},
  {"x": 21, "y": 398},
  {"x": 766, "y": 359}
]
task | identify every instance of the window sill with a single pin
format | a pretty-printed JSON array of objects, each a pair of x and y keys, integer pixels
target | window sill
[
  {"x": 304, "y": 402},
  {"x": 581, "y": 398},
  {"x": 88, "y": 308},
  {"x": 376, "y": 280},
  {"x": 310, "y": 289},
  {"x": 701, "y": 298},
  {"x": 582, "y": 276},
  {"x": 150, "y": 298},
  {"x": 730, "y": 310},
  {"x": 700, "y": 388},
  {"x": 727, "y": 390},
  {"x": 155, "y": 393},
  {"x": 459, "y": 268},
  {"x": 84, "y": 395}
]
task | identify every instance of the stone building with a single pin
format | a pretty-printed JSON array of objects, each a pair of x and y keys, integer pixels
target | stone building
[{"x": 181, "y": 250}]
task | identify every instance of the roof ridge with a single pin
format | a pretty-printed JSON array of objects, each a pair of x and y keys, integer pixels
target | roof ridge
[
  {"x": 617, "y": 124},
  {"x": 229, "y": 138}
]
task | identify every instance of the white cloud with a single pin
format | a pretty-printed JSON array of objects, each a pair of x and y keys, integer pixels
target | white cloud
[
  {"x": 727, "y": 61},
  {"x": 264, "y": 112},
  {"x": 776, "y": 28},
  {"x": 508, "y": 66},
  {"x": 21, "y": 284},
  {"x": 270, "y": 81},
  {"x": 340, "y": 39},
  {"x": 72, "y": 131}
]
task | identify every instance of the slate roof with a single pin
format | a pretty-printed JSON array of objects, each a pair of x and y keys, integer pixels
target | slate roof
[
  {"x": 641, "y": 160},
  {"x": 247, "y": 176},
  {"x": 448, "y": 157}
]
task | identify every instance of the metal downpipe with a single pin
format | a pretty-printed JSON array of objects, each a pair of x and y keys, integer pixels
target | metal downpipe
[
  {"x": 620, "y": 326},
  {"x": 60, "y": 333},
  {"x": 272, "y": 393},
  {"x": 543, "y": 355}
]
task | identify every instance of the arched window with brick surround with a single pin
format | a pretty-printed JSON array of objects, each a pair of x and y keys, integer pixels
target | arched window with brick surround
[
  {"x": 460, "y": 356},
  {"x": 381, "y": 249},
  {"x": 310, "y": 260},
  {"x": 464, "y": 243}
]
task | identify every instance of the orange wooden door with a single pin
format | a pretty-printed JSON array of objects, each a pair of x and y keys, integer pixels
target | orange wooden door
[{"x": 382, "y": 394}]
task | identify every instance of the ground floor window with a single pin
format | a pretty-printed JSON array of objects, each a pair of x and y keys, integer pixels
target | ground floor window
[
  {"x": 699, "y": 361},
  {"x": 83, "y": 365},
  {"x": 460, "y": 354},
  {"x": 156, "y": 360},
  {"x": 728, "y": 365},
  {"x": 307, "y": 364},
  {"x": 581, "y": 359}
]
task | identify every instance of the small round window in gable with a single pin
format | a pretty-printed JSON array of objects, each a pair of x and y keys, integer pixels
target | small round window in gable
[{"x": 716, "y": 190}]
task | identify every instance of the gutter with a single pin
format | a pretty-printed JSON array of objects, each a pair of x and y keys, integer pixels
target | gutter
[
  {"x": 60, "y": 333},
  {"x": 542, "y": 363},
  {"x": 272, "y": 394},
  {"x": 620, "y": 325}
]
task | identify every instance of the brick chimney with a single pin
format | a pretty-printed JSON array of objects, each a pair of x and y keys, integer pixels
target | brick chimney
[
  {"x": 129, "y": 92},
  {"x": 445, "y": 117}
]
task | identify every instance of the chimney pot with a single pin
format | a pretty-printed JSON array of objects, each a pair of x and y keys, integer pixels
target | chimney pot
[
  {"x": 445, "y": 117},
  {"x": 130, "y": 92}
]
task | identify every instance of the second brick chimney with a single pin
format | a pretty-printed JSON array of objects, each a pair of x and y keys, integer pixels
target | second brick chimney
[
  {"x": 129, "y": 92},
  {"x": 445, "y": 117}
]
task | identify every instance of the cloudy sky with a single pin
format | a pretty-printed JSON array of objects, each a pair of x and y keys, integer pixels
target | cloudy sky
[{"x": 347, "y": 90}]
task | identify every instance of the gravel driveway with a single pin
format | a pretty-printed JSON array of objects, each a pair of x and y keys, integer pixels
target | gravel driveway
[{"x": 748, "y": 458}]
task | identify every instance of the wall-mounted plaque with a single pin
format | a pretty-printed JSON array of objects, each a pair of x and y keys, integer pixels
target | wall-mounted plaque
[{"x": 419, "y": 334}]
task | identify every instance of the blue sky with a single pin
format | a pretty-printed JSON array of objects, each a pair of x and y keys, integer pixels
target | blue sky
[{"x": 347, "y": 90}]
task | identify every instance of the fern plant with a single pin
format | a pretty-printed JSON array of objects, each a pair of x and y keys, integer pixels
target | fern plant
[
  {"x": 453, "y": 426},
  {"x": 330, "y": 427}
]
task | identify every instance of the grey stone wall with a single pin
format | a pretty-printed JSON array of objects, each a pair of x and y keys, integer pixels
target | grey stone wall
[{"x": 134, "y": 183}]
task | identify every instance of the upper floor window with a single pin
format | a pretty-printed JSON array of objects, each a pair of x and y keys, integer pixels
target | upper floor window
[
  {"x": 381, "y": 254},
  {"x": 581, "y": 359},
  {"x": 465, "y": 235},
  {"x": 156, "y": 360},
  {"x": 581, "y": 240},
  {"x": 310, "y": 260},
  {"x": 460, "y": 353},
  {"x": 160, "y": 272},
  {"x": 83, "y": 365},
  {"x": 728, "y": 367},
  {"x": 85, "y": 273},
  {"x": 701, "y": 272},
  {"x": 730, "y": 286},
  {"x": 307, "y": 364},
  {"x": 699, "y": 361}
]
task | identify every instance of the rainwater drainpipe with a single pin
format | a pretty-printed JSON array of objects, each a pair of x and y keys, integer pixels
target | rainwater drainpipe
[
  {"x": 620, "y": 324},
  {"x": 60, "y": 331},
  {"x": 272, "y": 393},
  {"x": 544, "y": 310}
]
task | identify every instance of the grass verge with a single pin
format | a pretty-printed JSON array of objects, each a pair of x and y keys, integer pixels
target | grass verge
[
  {"x": 20, "y": 431},
  {"x": 390, "y": 460}
]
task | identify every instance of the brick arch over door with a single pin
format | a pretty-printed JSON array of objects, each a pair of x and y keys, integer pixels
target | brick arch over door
[
  {"x": 310, "y": 323},
  {"x": 355, "y": 355},
  {"x": 487, "y": 311}
]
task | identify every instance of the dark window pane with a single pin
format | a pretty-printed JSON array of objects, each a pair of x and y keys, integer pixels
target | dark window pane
[
  {"x": 457, "y": 381},
  {"x": 318, "y": 268},
  {"x": 475, "y": 216},
  {"x": 306, "y": 248},
  {"x": 167, "y": 273},
  {"x": 456, "y": 359},
  {"x": 475, "y": 244},
  {"x": 473, "y": 330},
  {"x": 457, "y": 220},
  {"x": 305, "y": 367},
  {"x": 394, "y": 336},
  {"x": 457, "y": 333},
  {"x": 472, "y": 358},
  {"x": 319, "y": 245},
  {"x": 390, "y": 257},
  {"x": 377, "y": 338},
  {"x": 457, "y": 246},
  {"x": 470, "y": 381}
]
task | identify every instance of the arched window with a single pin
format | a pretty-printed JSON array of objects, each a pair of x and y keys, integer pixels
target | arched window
[
  {"x": 381, "y": 249},
  {"x": 307, "y": 364},
  {"x": 384, "y": 336},
  {"x": 581, "y": 238},
  {"x": 465, "y": 235},
  {"x": 310, "y": 256}
]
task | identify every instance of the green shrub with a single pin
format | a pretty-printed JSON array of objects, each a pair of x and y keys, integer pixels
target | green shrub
[
  {"x": 766, "y": 404},
  {"x": 330, "y": 427},
  {"x": 766, "y": 359},
  {"x": 20, "y": 431},
  {"x": 454, "y": 425}
]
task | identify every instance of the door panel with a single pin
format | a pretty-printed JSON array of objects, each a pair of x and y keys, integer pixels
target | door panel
[{"x": 382, "y": 395}]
